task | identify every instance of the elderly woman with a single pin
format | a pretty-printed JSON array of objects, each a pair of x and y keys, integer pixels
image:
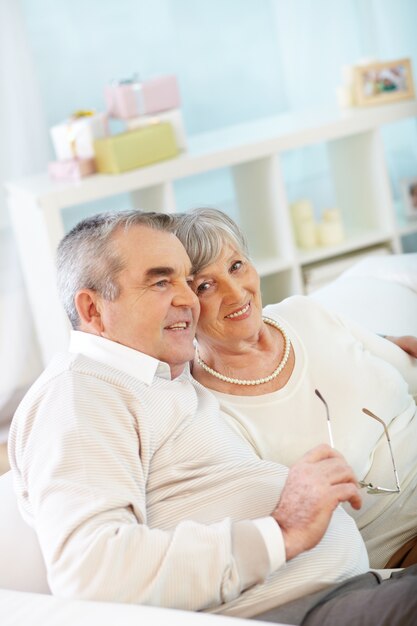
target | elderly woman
[{"x": 276, "y": 370}]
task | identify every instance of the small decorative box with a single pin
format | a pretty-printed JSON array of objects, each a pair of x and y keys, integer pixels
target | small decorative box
[
  {"x": 136, "y": 148},
  {"x": 130, "y": 98},
  {"x": 173, "y": 117},
  {"x": 74, "y": 138},
  {"x": 71, "y": 169}
]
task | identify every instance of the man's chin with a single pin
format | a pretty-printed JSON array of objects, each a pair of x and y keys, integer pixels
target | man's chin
[
  {"x": 179, "y": 356},
  {"x": 178, "y": 363},
  {"x": 183, "y": 357}
]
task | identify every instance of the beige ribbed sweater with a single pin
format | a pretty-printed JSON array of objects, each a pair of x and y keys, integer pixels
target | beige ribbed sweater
[{"x": 139, "y": 492}]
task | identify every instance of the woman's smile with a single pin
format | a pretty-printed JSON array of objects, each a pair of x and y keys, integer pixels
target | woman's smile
[{"x": 241, "y": 313}]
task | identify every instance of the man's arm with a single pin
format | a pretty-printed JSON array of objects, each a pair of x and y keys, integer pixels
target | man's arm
[{"x": 83, "y": 473}]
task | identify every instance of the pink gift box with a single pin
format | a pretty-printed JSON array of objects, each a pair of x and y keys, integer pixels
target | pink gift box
[
  {"x": 71, "y": 169},
  {"x": 132, "y": 98}
]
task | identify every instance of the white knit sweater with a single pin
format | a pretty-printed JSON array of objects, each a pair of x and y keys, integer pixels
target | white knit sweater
[
  {"x": 352, "y": 368},
  {"x": 139, "y": 491}
]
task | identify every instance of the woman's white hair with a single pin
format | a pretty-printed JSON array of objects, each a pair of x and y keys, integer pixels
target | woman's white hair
[
  {"x": 88, "y": 259},
  {"x": 203, "y": 232}
]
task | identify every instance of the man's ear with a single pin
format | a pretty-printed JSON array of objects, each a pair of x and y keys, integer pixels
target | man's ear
[{"x": 87, "y": 303}]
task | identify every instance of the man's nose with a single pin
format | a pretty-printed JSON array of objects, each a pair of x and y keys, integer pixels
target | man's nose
[{"x": 184, "y": 296}]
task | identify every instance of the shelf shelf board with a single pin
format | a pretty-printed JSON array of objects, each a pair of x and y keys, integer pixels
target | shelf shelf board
[
  {"x": 266, "y": 267},
  {"x": 296, "y": 129},
  {"x": 354, "y": 241},
  {"x": 224, "y": 147}
]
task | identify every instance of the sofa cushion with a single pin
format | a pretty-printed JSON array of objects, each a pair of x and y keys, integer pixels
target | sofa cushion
[
  {"x": 378, "y": 292},
  {"x": 395, "y": 268},
  {"x": 18, "y": 608}
]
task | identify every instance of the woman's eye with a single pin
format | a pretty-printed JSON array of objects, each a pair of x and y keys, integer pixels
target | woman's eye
[
  {"x": 202, "y": 287},
  {"x": 236, "y": 266}
]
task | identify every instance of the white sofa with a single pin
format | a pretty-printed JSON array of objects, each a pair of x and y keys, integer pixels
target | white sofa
[
  {"x": 380, "y": 293},
  {"x": 34, "y": 609}
]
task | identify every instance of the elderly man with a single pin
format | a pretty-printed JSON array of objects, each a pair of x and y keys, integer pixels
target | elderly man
[{"x": 138, "y": 489}]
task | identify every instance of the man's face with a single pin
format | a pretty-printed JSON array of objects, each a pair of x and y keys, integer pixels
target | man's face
[{"x": 156, "y": 311}]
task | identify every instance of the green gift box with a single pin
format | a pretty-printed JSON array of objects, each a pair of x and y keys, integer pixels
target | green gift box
[{"x": 135, "y": 148}]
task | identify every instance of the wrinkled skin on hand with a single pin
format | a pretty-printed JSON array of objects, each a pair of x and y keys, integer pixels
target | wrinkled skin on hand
[{"x": 316, "y": 485}]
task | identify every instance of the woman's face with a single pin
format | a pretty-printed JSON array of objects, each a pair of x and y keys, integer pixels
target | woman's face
[{"x": 230, "y": 299}]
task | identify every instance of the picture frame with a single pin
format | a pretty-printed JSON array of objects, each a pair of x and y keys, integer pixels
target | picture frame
[
  {"x": 383, "y": 82},
  {"x": 409, "y": 195}
]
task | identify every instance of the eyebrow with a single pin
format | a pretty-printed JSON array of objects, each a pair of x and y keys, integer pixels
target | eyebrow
[
  {"x": 203, "y": 274},
  {"x": 159, "y": 271},
  {"x": 153, "y": 272},
  {"x": 235, "y": 254}
]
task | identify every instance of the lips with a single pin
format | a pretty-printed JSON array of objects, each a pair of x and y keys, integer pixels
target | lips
[
  {"x": 178, "y": 326},
  {"x": 239, "y": 312}
]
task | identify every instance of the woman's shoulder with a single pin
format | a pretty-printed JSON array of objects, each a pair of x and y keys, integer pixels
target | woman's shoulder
[
  {"x": 303, "y": 314},
  {"x": 294, "y": 305}
]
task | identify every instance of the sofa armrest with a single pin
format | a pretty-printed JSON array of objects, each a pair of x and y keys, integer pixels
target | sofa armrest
[{"x": 21, "y": 563}]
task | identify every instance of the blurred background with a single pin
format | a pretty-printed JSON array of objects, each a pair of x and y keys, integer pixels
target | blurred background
[{"x": 235, "y": 61}]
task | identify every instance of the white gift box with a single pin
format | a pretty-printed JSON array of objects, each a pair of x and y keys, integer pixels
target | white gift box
[
  {"x": 173, "y": 117},
  {"x": 74, "y": 138}
]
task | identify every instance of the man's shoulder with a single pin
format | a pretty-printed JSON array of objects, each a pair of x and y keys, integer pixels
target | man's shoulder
[
  {"x": 60, "y": 364},
  {"x": 68, "y": 368}
]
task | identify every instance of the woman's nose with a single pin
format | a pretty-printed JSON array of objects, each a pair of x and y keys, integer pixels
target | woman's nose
[{"x": 232, "y": 290}]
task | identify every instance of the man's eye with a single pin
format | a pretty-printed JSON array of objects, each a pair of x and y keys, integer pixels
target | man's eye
[{"x": 161, "y": 283}]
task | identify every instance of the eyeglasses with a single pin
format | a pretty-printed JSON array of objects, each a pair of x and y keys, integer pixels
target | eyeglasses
[{"x": 369, "y": 486}]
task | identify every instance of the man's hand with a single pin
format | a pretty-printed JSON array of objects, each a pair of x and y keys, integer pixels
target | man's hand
[
  {"x": 408, "y": 343},
  {"x": 316, "y": 484}
]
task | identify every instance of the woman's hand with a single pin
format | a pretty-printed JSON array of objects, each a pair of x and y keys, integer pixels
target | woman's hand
[
  {"x": 316, "y": 484},
  {"x": 408, "y": 343}
]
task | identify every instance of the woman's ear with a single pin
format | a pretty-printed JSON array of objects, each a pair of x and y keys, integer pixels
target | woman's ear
[{"x": 88, "y": 305}]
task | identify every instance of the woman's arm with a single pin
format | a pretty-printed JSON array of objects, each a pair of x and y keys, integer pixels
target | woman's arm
[
  {"x": 408, "y": 343},
  {"x": 398, "y": 351}
]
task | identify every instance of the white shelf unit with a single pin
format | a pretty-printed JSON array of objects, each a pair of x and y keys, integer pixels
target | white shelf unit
[{"x": 254, "y": 153}]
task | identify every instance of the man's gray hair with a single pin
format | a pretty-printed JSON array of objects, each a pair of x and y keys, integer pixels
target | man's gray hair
[
  {"x": 203, "y": 232},
  {"x": 88, "y": 259}
]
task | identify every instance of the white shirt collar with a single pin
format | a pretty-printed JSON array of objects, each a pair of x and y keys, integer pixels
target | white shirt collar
[{"x": 132, "y": 362}]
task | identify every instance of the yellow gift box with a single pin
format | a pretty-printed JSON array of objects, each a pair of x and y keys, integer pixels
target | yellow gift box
[{"x": 135, "y": 148}]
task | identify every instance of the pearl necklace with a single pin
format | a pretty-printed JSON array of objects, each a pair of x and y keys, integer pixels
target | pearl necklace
[{"x": 257, "y": 381}]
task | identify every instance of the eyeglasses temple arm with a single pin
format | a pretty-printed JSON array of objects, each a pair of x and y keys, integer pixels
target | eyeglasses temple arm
[
  {"x": 329, "y": 427},
  {"x": 368, "y": 412}
]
